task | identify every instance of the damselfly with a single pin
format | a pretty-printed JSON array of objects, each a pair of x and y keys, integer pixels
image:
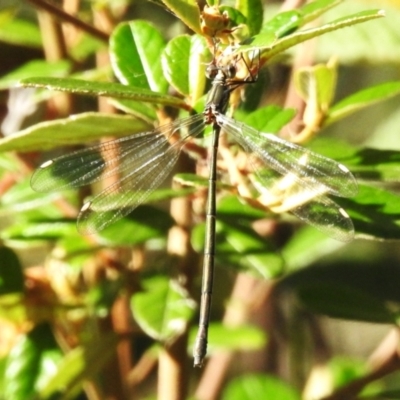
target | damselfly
[{"x": 143, "y": 161}]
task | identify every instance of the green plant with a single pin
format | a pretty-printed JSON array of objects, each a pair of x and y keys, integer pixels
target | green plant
[{"x": 74, "y": 310}]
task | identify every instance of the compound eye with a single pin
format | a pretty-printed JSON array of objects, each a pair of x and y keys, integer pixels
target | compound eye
[{"x": 211, "y": 71}]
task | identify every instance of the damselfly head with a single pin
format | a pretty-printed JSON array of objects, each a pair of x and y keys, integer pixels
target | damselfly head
[{"x": 211, "y": 70}]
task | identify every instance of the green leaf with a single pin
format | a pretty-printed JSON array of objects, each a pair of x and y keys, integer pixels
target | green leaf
[
  {"x": 125, "y": 59},
  {"x": 369, "y": 44},
  {"x": 18, "y": 31},
  {"x": 13, "y": 308},
  {"x": 32, "y": 361},
  {"x": 270, "y": 47},
  {"x": 86, "y": 46},
  {"x": 145, "y": 112},
  {"x": 341, "y": 301},
  {"x": 107, "y": 89},
  {"x": 282, "y": 24},
  {"x": 345, "y": 370},
  {"x": 35, "y": 68},
  {"x": 191, "y": 180},
  {"x": 232, "y": 207},
  {"x": 143, "y": 33},
  {"x": 20, "y": 197},
  {"x": 80, "y": 364},
  {"x": 39, "y": 230},
  {"x": 240, "y": 246},
  {"x": 352, "y": 288},
  {"x": 228, "y": 338},
  {"x": 270, "y": 119},
  {"x": 311, "y": 11},
  {"x": 187, "y": 11},
  {"x": 163, "y": 308},
  {"x": 3, "y": 362},
  {"x": 306, "y": 247},
  {"x": 375, "y": 213},
  {"x": 253, "y": 11},
  {"x": 11, "y": 276},
  {"x": 368, "y": 164},
  {"x": 76, "y": 129},
  {"x": 288, "y": 22},
  {"x": 134, "y": 62},
  {"x": 258, "y": 386},
  {"x": 74, "y": 249},
  {"x": 316, "y": 86},
  {"x": 362, "y": 99},
  {"x": 184, "y": 62},
  {"x": 144, "y": 223}
]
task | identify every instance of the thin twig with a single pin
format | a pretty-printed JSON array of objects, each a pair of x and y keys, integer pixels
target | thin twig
[{"x": 63, "y": 16}]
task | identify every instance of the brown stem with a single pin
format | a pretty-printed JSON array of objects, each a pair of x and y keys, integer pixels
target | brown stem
[
  {"x": 173, "y": 368},
  {"x": 63, "y": 16},
  {"x": 54, "y": 49}
]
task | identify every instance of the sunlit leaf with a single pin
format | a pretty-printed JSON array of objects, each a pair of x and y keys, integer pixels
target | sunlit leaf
[
  {"x": 253, "y": 11},
  {"x": 18, "y": 31},
  {"x": 375, "y": 213},
  {"x": 282, "y": 24},
  {"x": 306, "y": 247},
  {"x": 258, "y": 386},
  {"x": 35, "y": 68},
  {"x": 270, "y": 119},
  {"x": 163, "y": 308},
  {"x": 39, "y": 230},
  {"x": 75, "y": 129},
  {"x": 106, "y": 89},
  {"x": 314, "y": 9},
  {"x": 270, "y": 47},
  {"x": 223, "y": 337},
  {"x": 32, "y": 361},
  {"x": 362, "y": 99},
  {"x": 184, "y": 61},
  {"x": 369, "y": 164},
  {"x": 81, "y": 363},
  {"x": 134, "y": 62},
  {"x": 143, "y": 111},
  {"x": 370, "y": 44},
  {"x": 316, "y": 86},
  {"x": 143, "y": 224},
  {"x": 187, "y": 11}
]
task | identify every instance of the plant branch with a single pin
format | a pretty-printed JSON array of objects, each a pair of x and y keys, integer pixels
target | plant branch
[{"x": 65, "y": 17}]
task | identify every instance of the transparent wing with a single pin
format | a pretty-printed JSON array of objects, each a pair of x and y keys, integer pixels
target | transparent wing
[
  {"x": 106, "y": 159},
  {"x": 325, "y": 215},
  {"x": 141, "y": 162},
  {"x": 307, "y": 168},
  {"x": 283, "y": 194},
  {"x": 297, "y": 179}
]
